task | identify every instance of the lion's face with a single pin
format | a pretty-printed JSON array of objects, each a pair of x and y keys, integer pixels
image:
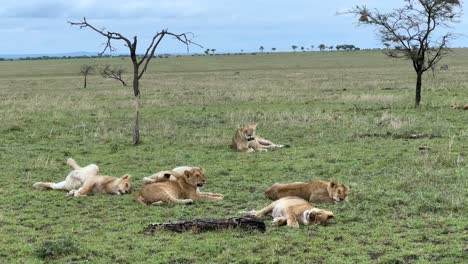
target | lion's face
[
  {"x": 195, "y": 177},
  {"x": 318, "y": 216},
  {"x": 248, "y": 132},
  {"x": 124, "y": 185},
  {"x": 337, "y": 191}
]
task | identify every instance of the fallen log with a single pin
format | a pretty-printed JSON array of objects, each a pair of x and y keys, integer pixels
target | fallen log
[{"x": 247, "y": 223}]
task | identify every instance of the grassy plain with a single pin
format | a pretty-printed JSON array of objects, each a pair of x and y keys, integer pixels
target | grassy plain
[{"x": 345, "y": 114}]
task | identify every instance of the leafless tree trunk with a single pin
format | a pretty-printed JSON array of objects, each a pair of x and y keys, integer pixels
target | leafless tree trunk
[{"x": 140, "y": 65}]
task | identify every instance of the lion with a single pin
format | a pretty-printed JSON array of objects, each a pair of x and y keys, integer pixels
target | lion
[
  {"x": 74, "y": 180},
  {"x": 293, "y": 211},
  {"x": 104, "y": 185},
  {"x": 245, "y": 140},
  {"x": 314, "y": 192},
  {"x": 169, "y": 175},
  {"x": 183, "y": 190},
  {"x": 459, "y": 107}
]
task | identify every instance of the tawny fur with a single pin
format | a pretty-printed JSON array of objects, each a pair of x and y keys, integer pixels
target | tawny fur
[
  {"x": 104, "y": 185},
  {"x": 294, "y": 211},
  {"x": 314, "y": 192},
  {"x": 459, "y": 107},
  {"x": 245, "y": 140},
  {"x": 184, "y": 190},
  {"x": 169, "y": 175},
  {"x": 74, "y": 180}
]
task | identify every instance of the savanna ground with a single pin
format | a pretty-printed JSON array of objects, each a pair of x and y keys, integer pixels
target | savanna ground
[{"x": 346, "y": 116}]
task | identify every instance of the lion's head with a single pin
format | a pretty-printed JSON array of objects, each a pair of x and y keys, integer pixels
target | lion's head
[
  {"x": 337, "y": 191},
  {"x": 248, "y": 131},
  {"x": 195, "y": 177},
  {"x": 124, "y": 186},
  {"x": 318, "y": 216}
]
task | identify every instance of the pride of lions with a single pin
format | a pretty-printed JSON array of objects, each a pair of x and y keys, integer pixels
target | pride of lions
[{"x": 181, "y": 185}]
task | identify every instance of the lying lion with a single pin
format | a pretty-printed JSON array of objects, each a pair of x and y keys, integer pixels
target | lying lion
[
  {"x": 169, "y": 175},
  {"x": 245, "y": 140},
  {"x": 293, "y": 211},
  {"x": 459, "y": 107},
  {"x": 314, "y": 192},
  {"x": 74, "y": 179},
  {"x": 182, "y": 190},
  {"x": 83, "y": 181},
  {"x": 105, "y": 185}
]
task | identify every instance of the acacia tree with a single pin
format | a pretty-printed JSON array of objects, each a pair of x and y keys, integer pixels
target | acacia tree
[
  {"x": 85, "y": 70},
  {"x": 113, "y": 73},
  {"x": 140, "y": 62},
  {"x": 410, "y": 32}
]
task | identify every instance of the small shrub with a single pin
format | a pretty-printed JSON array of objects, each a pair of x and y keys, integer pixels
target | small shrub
[{"x": 57, "y": 248}]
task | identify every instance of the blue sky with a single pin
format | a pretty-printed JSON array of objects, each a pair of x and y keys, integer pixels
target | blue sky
[{"x": 40, "y": 26}]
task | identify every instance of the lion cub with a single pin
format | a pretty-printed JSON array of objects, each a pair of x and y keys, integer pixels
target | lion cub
[
  {"x": 183, "y": 190},
  {"x": 293, "y": 211},
  {"x": 245, "y": 140},
  {"x": 104, "y": 184},
  {"x": 314, "y": 192}
]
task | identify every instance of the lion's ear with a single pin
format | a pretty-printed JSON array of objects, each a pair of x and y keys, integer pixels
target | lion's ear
[
  {"x": 333, "y": 184},
  {"x": 167, "y": 175},
  {"x": 188, "y": 173},
  {"x": 202, "y": 170},
  {"x": 253, "y": 125},
  {"x": 126, "y": 177}
]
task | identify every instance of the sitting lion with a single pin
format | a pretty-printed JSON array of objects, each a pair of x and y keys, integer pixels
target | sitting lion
[
  {"x": 245, "y": 140},
  {"x": 314, "y": 192},
  {"x": 292, "y": 211},
  {"x": 183, "y": 190}
]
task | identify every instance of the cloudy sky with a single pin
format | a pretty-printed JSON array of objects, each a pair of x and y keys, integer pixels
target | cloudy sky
[{"x": 40, "y": 26}]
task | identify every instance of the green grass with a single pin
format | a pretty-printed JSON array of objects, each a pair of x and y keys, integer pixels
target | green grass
[{"x": 343, "y": 113}]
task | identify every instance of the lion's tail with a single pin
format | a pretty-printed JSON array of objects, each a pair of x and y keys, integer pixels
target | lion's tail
[{"x": 43, "y": 185}]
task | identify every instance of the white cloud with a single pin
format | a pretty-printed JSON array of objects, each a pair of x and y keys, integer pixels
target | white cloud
[{"x": 224, "y": 25}]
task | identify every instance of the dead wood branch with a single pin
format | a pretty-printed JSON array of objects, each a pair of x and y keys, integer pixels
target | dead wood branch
[{"x": 246, "y": 223}]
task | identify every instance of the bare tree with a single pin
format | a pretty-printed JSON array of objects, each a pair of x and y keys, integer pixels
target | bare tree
[
  {"x": 113, "y": 73},
  {"x": 410, "y": 32},
  {"x": 85, "y": 70},
  {"x": 140, "y": 63}
]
